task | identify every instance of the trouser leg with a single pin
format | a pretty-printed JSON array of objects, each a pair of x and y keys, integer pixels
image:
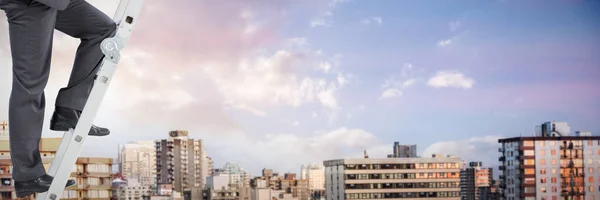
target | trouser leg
[
  {"x": 82, "y": 20},
  {"x": 31, "y": 28}
]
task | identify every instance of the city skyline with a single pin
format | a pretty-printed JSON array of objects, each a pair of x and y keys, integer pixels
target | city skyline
[{"x": 316, "y": 80}]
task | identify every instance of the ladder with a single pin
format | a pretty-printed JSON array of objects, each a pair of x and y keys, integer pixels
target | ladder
[{"x": 72, "y": 141}]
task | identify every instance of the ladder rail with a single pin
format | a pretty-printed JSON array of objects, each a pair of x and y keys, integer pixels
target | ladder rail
[{"x": 70, "y": 146}]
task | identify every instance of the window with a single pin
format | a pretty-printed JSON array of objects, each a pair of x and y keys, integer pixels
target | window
[
  {"x": 553, "y": 161},
  {"x": 542, "y": 171},
  {"x": 543, "y": 180},
  {"x": 589, "y": 152},
  {"x": 553, "y": 152},
  {"x": 553, "y": 171},
  {"x": 542, "y": 152},
  {"x": 590, "y": 142},
  {"x": 542, "y": 161},
  {"x": 554, "y": 189},
  {"x": 543, "y": 189},
  {"x": 528, "y": 143},
  {"x": 591, "y": 189},
  {"x": 553, "y": 180},
  {"x": 590, "y": 161},
  {"x": 590, "y": 170},
  {"x": 529, "y": 162},
  {"x": 528, "y": 153},
  {"x": 541, "y": 143},
  {"x": 591, "y": 179},
  {"x": 552, "y": 143}
]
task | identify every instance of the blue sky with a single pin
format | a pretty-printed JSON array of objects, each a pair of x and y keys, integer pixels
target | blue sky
[{"x": 277, "y": 84}]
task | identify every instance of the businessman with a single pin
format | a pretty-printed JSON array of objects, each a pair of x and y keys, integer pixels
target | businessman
[{"x": 31, "y": 26}]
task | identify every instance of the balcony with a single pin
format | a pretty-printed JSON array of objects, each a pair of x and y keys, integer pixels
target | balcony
[
  {"x": 502, "y": 167},
  {"x": 500, "y": 149},
  {"x": 502, "y": 159}
]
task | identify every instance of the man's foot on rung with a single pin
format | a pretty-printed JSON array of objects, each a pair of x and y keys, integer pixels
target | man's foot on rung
[
  {"x": 38, "y": 185},
  {"x": 65, "y": 118}
]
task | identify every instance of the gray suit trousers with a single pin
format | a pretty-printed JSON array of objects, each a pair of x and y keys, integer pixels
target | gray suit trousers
[{"x": 31, "y": 28}]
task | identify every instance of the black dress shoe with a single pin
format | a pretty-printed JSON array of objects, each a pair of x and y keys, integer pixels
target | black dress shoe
[
  {"x": 65, "y": 118},
  {"x": 41, "y": 184}
]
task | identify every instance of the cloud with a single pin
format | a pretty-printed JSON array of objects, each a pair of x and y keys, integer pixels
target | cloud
[
  {"x": 391, "y": 92},
  {"x": 472, "y": 149},
  {"x": 370, "y": 20},
  {"x": 321, "y": 22},
  {"x": 446, "y": 42},
  {"x": 393, "y": 86},
  {"x": 267, "y": 151},
  {"x": 443, "y": 43},
  {"x": 450, "y": 79},
  {"x": 454, "y": 25}
]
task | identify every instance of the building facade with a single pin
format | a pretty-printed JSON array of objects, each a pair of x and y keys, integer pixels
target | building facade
[
  {"x": 472, "y": 178},
  {"x": 374, "y": 178},
  {"x": 138, "y": 161},
  {"x": 181, "y": 161},
  {"x": 553, "y": 164},
  {"x": 315, "y": 175}
]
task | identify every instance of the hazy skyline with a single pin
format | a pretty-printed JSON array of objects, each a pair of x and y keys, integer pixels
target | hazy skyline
[{"x": 278, "y": 84}]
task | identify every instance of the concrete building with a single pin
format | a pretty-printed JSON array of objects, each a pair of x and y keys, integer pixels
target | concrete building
[
  {"x": 181, "y": 162},
  {"x": 472, "y": 178},
  {"x": 132, "y": 189},
  {"x": 138, "y": 161},
  {"x": 553, "y": 164},
  {"x": 374, "y": 178},
  {"x": 404, "y": 151},
  {"x": 315, "y": 175},
  {"x": 236, "y": 174}
]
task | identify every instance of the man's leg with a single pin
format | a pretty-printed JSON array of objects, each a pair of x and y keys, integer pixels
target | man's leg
[
  {"x": 82, "y": 20},
  {"x": 31, "y": 27}
]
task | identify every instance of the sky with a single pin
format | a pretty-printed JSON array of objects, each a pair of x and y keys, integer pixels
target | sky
[{"x": 279, "y": 84}]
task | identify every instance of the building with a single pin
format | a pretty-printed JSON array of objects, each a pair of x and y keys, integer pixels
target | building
[
  {"x": 137, "y": 161},
  {"x": 3, "y": 130},
  {"x": 490, "y": 193},
  {"x": 236, "y": 174},
  {"x": 552, "y": 164},
  {"x": 132, "y": 189},
  {"x": 93, "y": 176},
  {"x": 315, "y": 175},
  {"x": 181, "y": 162},
  {"x": 472, "y": 178},
  {"x": 404, "y": 151},
  {"x": 374, "y": 178}
]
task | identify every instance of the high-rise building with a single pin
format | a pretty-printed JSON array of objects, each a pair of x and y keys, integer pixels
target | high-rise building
[
  {"x": 472, "y": 178},
  {"x": 138, "y": 161},
  {"x": 553, "y": 164},
  {"x": 181, "y": 162},
  {"x": 404, "y": 151},
  {"x": 315, "y": 175},
  {"x": 374, "y": 178}
]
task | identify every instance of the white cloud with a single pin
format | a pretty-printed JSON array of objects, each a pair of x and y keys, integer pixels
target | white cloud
[
  {"x": 450, "y": 79},
  {"x": 268, "y": 150},
  {"x": 298, "y": 42},
  {"x": 321, "y": 22},
  {"x": 472, "y": 149},
  {"x": 443, "y": 43},
  {"x": 296, "y": 123},
  {"x": 393, "y": 86},
  {"x": 454, "y": 25},
  {"x": 247, "y": 108},
  {"x": 367, "y": 21},
  {"x": 325, "y": 66},
  {"x": 391, "y": 92}
]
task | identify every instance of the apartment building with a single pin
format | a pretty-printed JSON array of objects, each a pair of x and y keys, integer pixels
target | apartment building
[
  {"x": 138, "y": 161},
  {"x": 181, "y": 161},
  {"x": 437, "y": 177},
  {"x": 472, "y": 178},
  {"x": 552, "y": 164},
  {"x": 131, "y": 189},
  {"x": 315, "y": 174}
]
